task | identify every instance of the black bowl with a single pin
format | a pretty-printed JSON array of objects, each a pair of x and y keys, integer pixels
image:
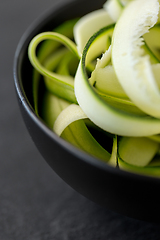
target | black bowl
[{"x": 130, "y": 194}]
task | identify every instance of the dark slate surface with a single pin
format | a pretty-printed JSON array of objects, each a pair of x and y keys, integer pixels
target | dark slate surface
[{"x": 35, "y": 204}]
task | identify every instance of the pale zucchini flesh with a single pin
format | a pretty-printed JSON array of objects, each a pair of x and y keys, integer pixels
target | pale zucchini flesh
[
  {"x": 88, "y": 25},
  {"x": 114, "y": 8},
  {"x": 141, "y": 149},
  {"x": 132, "y": 68}
]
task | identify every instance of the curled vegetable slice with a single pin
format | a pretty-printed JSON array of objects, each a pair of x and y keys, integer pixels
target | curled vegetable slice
[
  {"x": 76, "y": 133},
  {"x": 114, "y": 8},
  {"x": 45, "y": 50},
  {"x": 36, "y": 63},
  {"x": 102, "y": 114},
  {"x": 106, "y": 81},
  {"x": 132, "y": 67},
  {"x": 88, "y": 25},
  {"x": 70, "y": 114},
  {"x": 80, "y": 134},
  {"x": 59, "y": 63},
  {"x": 141, "y": 149}
]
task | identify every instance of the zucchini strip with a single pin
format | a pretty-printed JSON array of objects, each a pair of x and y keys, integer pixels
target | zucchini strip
[
  {"x": 114, "y": 8},
  {"x": 35, "y": 62},
  {"x": 52, "y": 107},
  {"x": 106, "y": 81},
  {"x": 106, "y": 84},
  {"x": 132, "y": 68},
  {"x": 137, "y": 151},
  {"x": 70, "y": 114},
  {"x": 85, "y": 141},
  {"x": 113, "y": 161},
  {"x": 76, "y": 132},
  {"x": 88, "y": 25},
  {"x": 108, "y": 118},
  {"x": 47, "y": 47},
  {"x": 59, "y": 63}
]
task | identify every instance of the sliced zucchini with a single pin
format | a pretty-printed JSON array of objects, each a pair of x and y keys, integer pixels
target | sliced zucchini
[
  {"x": 102, "y": 114},
  {"x": 88, "y": 25},
  {"x": 132, "y": 68},
  {"x": 77, "y": 132},
  {"x": 137, "y": 151},
  {"x": 46, "y": 48},
  {"x": 35, "y": 62},
  {"x": 114, "y": 8},
  {"x": 113, "y": 161},
  {"x": 52, "y": 106},
  {"x": 106, "y": 81},
  {"x": 59, "y": 62},
  {"x": 70, "y": 114}
]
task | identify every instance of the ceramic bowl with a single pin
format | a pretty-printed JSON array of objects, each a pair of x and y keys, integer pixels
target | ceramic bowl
[{"x": 126, "y": 193}]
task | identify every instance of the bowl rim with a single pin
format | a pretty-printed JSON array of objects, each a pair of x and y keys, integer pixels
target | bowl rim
[{"x": 28, "y": 34}]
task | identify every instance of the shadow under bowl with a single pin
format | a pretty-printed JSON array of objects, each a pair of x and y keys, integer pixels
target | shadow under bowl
[{"x": 126, "y": 193}]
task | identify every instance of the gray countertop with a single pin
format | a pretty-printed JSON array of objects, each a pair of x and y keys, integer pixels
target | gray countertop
[{"x": 35, "y": 204}]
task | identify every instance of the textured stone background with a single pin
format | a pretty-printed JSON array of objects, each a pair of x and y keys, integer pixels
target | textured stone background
[{"x": 35, "y": 204}]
